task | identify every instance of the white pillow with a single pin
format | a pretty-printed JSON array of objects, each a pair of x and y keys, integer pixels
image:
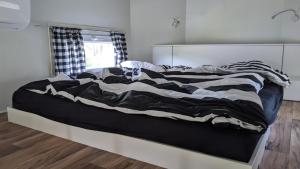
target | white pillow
[
  {"x": 60, "y": 77},
  {"x": 132, "y": 64},
  {"x": 144, "y": 65}
]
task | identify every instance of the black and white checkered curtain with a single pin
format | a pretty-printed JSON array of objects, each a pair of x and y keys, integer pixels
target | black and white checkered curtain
[
  {"x": 68, "y": 48},
  {"x": 119, "y": 42}
]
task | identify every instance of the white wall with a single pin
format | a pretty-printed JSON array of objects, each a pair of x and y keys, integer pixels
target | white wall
[
  {"x": 24, "y": 55},
  {"x": 209, "y": 21},
  {"x": 23, "y": 58},
  {"x": 103, "y": 13},
  {"x": 151, "y": 24},
  {"x": 233, "y": 21}
]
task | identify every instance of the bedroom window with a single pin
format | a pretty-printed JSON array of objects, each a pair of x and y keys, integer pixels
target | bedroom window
[
  {"x": 99, "y": 50},
  {"x": 76, "y": 50},
  {"x": 99, "y": 54}
]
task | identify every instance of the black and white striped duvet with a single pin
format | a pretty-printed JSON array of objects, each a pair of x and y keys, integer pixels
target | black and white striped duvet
[
  {"x": 222, "y": 99},
  {"x": 261, "y": 68}
]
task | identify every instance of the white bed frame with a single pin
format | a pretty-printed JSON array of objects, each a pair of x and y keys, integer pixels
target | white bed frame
[
  {"x": 217, "y": 54},
  {"x": 156, "y": 153},
  {"x": 143, "y": 150}
]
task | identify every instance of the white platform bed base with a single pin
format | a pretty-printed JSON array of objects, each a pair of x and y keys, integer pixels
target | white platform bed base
[{"x": 147, "y": 151}]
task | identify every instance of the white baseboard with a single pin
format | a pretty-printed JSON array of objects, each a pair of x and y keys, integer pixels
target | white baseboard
[{"x": 3, "y": 111}]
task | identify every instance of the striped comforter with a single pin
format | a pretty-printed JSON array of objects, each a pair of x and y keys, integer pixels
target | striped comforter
[{"x": 224, "y": 98}]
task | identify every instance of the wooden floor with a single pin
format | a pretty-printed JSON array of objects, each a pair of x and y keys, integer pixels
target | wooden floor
[
  {"x": 23, "y": 148},
  {"x": 283, "y": 148}
]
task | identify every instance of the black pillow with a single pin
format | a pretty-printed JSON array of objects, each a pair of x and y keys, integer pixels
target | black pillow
[{"x": 86, "y": 75}]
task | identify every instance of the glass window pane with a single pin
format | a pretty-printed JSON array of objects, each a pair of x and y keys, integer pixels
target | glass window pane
[{"x": 99, "y": 54}]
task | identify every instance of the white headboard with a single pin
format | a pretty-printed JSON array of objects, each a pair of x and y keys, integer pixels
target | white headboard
[
  {"x": 279, "y": 56},
  {"x": 217, "y": 54}
]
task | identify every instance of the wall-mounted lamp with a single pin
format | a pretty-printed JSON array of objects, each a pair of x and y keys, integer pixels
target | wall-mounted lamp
[
  {"x": 175, "y": 22},
  {"x": 295, "y": 18}
]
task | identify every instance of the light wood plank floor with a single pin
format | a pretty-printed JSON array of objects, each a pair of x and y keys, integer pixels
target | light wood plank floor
[
  {"x": 283, "y": 148},
  {"x": 23, "y": 148}
]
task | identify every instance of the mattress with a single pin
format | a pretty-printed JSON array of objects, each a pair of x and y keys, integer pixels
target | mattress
[{"x": 222, "y": 142}]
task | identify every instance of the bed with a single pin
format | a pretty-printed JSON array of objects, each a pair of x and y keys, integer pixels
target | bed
[{"x": 162, "y": 141}]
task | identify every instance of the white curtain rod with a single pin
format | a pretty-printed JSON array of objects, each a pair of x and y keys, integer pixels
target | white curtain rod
[{"x": 66, "y": 25}]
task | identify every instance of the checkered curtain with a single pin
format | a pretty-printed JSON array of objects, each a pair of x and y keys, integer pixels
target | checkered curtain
[
  {"x": 119, "y": 42},
  {"x": 68, "y": 48}
]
